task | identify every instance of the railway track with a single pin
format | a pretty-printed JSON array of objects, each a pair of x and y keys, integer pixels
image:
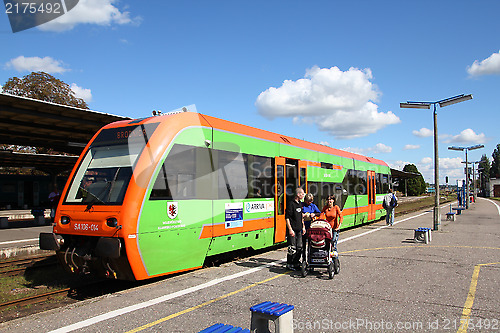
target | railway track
[
  {"x": 19, "y": 266},
  {"x": 35, "y": 298}
]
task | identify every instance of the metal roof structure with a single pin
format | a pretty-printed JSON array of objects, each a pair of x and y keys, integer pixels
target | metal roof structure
[
  {"x": 403, "y": 174},
  {"x": 29, "y": 122}
]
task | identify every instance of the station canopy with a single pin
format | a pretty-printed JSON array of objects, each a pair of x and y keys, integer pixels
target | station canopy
[
  {"x": 65, "y": 129},
  {"x": 403, "y": 174}
]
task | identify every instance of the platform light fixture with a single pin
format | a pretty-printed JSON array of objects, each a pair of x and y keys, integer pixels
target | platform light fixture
[
  {"x": 455, "y": 100},
  {"x": 427, "y": 105},
  {"x": 466, "y": 149}
]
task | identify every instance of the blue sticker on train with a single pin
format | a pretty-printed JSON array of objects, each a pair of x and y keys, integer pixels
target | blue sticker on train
[{"x": 234, "y": 215}]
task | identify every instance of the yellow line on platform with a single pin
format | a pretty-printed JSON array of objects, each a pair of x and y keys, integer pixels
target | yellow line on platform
[
  {"x": 159, "y": 321},
  {"x": 466, "y": 311},
  {"x": 464, "y": 320},
  {"x": 422, "y": 246}
]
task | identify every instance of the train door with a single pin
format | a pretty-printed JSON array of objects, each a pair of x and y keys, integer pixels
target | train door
[
  {"x": 287, "y": 180},
  {"x": 371, "y": 194},
  {"x": 279, "y": 200},
  {"x": 303, "y": 175}
]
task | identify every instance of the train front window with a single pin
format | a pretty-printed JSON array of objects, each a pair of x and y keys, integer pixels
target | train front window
[
  {"x": 103, "y": 176},
  {"x": 106, "y": 170}
]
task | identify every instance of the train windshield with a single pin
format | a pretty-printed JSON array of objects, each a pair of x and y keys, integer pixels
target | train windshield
[{"x": 106, "y": 170}]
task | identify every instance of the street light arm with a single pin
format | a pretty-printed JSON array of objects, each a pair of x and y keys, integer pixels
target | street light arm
[{"x": 454, "y": 100}]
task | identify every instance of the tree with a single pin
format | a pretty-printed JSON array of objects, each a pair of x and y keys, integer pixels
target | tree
[
  {"x": 44, "y": 87},
  {"x": 416, "y": 186},
  {"x": 495, "y": 165},
  {"x": 484, "y": 174}
]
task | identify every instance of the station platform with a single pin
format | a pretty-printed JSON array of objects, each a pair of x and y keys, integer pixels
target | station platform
[
  {"x": 387, "y": 282},
  {"x": 19, "y": 232}
]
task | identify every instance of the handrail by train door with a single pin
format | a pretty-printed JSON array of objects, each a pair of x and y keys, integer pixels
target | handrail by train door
[
  {"x": 371, "y": 194},
  {"x": 279, "y": 200}
]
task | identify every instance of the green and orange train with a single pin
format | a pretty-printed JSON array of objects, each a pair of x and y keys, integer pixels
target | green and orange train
[{"x": 155, "y": 196}]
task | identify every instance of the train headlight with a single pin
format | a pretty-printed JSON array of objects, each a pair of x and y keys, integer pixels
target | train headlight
[
  {"x": 112, "y": 222},
  {"x": 65, "y": 220}
]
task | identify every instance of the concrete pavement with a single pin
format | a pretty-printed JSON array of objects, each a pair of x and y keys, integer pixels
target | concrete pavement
[{"x": 387, "y": 283}]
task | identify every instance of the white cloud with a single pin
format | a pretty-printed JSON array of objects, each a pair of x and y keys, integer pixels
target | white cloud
[
  {"x": 423, "y": 132},
  {"x": 379, "y": 148},
  {"x": 467, "y": 136},
  {"x": 339, "y": 103},
  {"x": 82, "y": 93},
  {"x": 411, "y": 147},
  {"x": 100, "y": 12},
  {"x": 451, "y": 167},
  {"x": 36, "y": 64},
  {"x": 451, "y": 163},
  {"x": 398, "y": 165},
  {"x": 490, "y": 65}
]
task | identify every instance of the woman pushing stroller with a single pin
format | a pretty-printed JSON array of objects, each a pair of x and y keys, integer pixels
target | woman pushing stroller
[{"x": 322, "y": 238}]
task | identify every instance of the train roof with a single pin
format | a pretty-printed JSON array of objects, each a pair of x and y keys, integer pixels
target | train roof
[{"x": 193, "y": 119}]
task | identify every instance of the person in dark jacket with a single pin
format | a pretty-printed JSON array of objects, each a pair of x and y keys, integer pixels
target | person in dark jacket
[{"x": 295, "y": 229}]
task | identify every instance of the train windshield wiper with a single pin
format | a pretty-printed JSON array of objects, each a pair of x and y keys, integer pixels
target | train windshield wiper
[{"x": 96, "y": 197}]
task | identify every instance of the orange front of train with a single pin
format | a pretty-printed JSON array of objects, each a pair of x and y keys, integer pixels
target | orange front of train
[{"x": 96, "y": 222}]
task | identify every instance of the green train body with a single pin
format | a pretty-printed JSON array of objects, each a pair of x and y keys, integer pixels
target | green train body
[{"x": 155, "y": 196}]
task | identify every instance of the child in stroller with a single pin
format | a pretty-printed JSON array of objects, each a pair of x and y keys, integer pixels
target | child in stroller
[{"x": 319, "y": 249}]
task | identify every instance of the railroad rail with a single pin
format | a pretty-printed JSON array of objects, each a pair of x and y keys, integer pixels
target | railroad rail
[
  {"x": 19, "y": 266},
  {"x": 35, "y": 298}
]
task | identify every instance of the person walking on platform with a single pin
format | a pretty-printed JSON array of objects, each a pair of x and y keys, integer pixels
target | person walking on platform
[
  {"x": 295, "y": 228},
  {"x": 390, "y": 202}
]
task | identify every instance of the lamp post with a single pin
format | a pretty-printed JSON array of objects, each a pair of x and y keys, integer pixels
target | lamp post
[
  {"x": 474, "y": 178},
  {"x": 466, "y": 149},
  {"x": 427, "y": 105}
]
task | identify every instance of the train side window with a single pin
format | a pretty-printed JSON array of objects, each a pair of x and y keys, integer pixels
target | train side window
[
  {"x": 232, "y": 174},
  {"x": 260, "y": 176},
  {"x": 378, "y": 180},
  {"x": 185, "y": 174},
  {"x": 385, "y": 183},
  {"x": 361, "y": 185},
  {"x": 350, "y": 181},
  {"x": 325, "y": 165}
]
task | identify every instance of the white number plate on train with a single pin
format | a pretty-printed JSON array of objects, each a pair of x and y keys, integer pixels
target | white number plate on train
[{"x": 86, "y": 227}]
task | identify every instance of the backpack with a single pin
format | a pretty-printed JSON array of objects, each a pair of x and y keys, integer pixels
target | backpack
[
  {"x": 394, "y": 201},
  {"x": 384, "y": 205}
]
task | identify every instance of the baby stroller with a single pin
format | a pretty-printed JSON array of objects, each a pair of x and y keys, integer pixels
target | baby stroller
[{"x": 319, "y": 249}]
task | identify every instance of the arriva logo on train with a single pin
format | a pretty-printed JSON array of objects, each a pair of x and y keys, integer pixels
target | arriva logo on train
[{"x": 259, "y": 206}]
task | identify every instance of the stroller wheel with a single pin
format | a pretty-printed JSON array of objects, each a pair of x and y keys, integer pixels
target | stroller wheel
[
  {"x": 303, "y": 269},
  {"x": 330, "y": 270},
  {"x": 336, "y": 265}
]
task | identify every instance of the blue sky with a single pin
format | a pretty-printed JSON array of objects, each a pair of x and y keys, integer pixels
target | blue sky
[{"x": 332, "y": 72}]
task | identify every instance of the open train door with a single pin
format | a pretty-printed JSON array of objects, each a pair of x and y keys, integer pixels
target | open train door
[
  {"x": 279, "y": 200},
  {"x": 371, "y": 195}
]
